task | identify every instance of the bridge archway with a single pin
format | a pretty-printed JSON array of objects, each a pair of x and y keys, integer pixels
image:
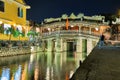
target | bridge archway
[{"x": 71, "y": 45}]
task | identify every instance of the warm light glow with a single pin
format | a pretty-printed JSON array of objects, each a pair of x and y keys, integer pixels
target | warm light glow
[
  {"x": 1, "y": 22},
  {"x": 103, "y": 28},
  {"x": 71, "y": 73},
  {"x": 36, "y": 73},
  {"x": 52, "y": 29},
  {"x": 37, "y": 30},
  {"x": 49, "y": 29},
  {"x": 72, "y": 26},
  {"x": 96, "y": 29},
  {"x": 14, "y": 24}
]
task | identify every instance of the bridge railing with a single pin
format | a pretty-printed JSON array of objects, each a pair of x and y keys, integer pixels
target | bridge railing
[{"x": 68, "y": 32}]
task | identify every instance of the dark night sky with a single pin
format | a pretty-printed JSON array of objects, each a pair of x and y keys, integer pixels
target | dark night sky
[{"x": 41, "y": 9}]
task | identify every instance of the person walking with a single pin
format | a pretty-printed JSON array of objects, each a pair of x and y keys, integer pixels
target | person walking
[{"x": 101, "y": 42}]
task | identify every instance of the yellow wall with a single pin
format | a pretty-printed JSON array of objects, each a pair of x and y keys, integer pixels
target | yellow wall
[
  {"x": 11, "y": 13},
  {"x": 10, "y": 16},
  {"x": 6, "y": 37},
  {"x": 20, "y": 1}
]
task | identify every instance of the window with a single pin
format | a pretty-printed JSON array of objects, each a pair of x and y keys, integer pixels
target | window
[
  {"x": 2, "y": 6},
  {"x": 20, "y": 12}
]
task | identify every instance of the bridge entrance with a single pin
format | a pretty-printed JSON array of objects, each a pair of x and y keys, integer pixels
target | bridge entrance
[{"x": 71, "y": 46}]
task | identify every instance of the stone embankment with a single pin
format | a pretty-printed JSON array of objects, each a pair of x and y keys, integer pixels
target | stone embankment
[
  {"x": 101, "y": 64},
  {"x": 14, "y": 51}
]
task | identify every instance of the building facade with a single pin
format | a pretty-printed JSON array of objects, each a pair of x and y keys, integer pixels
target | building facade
[{"x": 13, "y": 15}]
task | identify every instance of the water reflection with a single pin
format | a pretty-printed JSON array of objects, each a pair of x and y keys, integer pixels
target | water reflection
[
  {"x": 5, "y": 74},
  {"x": 40, "y": 66}
]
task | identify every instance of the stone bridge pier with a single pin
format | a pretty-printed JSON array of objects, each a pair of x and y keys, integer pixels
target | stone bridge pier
[
  {"x": 52, "y": 44},
  {"x": 82, "y": 45},
  {"x": 59, "y": 45},
  {"x": 85, "y": 45}
]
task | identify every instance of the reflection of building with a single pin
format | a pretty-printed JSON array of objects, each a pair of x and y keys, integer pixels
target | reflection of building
[
  {"x": 5, "y": 74},
  {"x": 13, "y": 14}
]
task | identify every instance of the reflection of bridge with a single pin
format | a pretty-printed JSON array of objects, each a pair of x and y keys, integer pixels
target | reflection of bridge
[{"x": 67, "y": 40}]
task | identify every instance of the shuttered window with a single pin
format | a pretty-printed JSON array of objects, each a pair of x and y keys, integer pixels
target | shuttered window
[
  {"x": 2, "y": 6},
  {"x": 20, "y": 12}
]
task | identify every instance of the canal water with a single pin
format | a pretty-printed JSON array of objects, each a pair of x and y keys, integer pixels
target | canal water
[{"x": 39, "y": 66}]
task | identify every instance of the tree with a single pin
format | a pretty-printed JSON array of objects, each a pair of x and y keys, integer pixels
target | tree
[
  {"x": 9, "y": 32},
  {"x": 1, "y": 29},
  {"x": 17, "y": 33},
  {"x": 115, "y": 30},
  {"x": 32, "y": 34}
]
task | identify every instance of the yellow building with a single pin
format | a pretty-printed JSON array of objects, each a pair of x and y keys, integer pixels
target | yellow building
[{"x": 13, "y": 14}]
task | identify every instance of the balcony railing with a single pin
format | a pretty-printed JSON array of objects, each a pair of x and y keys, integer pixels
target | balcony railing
[{"x": 68, "y": 32}]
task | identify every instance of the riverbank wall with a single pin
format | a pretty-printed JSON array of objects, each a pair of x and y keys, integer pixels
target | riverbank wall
[
  {"x": 101, "y": 64},
  {"x": 14, "y": 51}
]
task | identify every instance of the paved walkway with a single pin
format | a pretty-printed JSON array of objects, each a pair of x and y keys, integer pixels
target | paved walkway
[{"x": 101, "y": 64}]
